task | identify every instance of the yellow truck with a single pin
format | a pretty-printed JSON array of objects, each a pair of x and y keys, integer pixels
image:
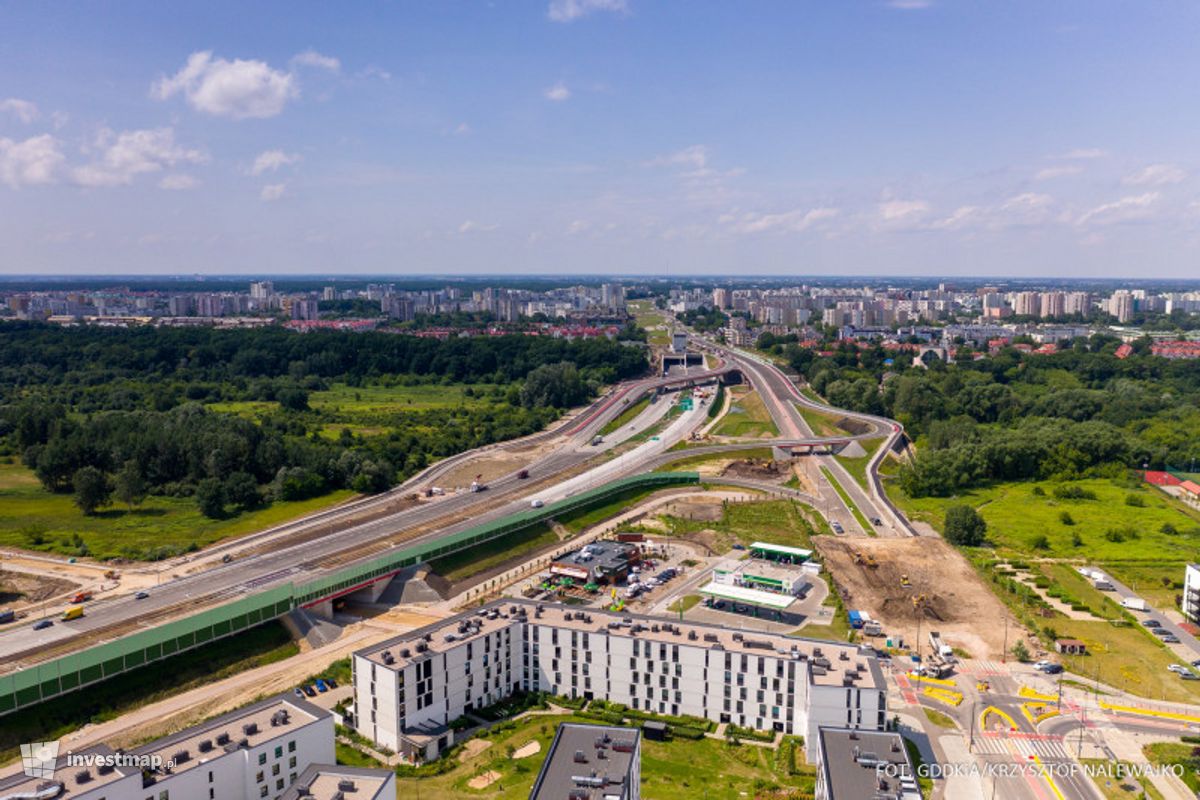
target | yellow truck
[{"x": 74, "y": 612}]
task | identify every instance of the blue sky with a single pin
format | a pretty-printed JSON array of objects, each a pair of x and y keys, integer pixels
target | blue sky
[{"x": 933, "y": 137}]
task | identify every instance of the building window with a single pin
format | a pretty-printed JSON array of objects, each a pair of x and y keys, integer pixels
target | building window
[
  {"x": 292, "y": 762},
  {"x": 262, "y": 759},
  {"x": 262, "y": 792},
  {"x": 274, "y": 769},
  {"x": 279, "y": 751},
  {"x": 258, "y": 778}
]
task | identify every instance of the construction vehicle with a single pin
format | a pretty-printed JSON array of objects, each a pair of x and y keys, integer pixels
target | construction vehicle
[
  {"x": 918, "y": 600},
  {"x": 871, "y": 562},
  {"x": 904, "y": 581},
  {"x": 111, "y": 574},
  {"x": 81, "y": 597}
]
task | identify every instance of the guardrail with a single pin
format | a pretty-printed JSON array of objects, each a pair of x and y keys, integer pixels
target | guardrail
[{"x": 40, "y": 682}]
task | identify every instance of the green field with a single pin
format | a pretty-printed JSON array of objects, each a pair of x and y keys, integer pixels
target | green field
[
  {"x": 1016, "y": 515},
  {"x": 119, "y": 695},
  {"x": 685, "y": 464},
  {"x": 650, "y": 318},
  {"x": 773, "y": 521},
  {"x": 822, "y": 424},
  {"x": 36, "y": 519},
  {"x": 681, "y": 769},
  {"x": 489, "y": 554},
  {"x": 747, "y": 416},
  {"x": 857, "y": 466},
  {"x": 1170, "y": 753}
]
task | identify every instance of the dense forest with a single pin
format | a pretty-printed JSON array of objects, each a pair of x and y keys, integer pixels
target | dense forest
[
  {"x": 1014, "y": 415},
  {"x": 102, "y": 411}
]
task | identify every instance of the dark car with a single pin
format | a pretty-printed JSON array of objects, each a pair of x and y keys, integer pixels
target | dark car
[
  {"x": 876, "y": 521},
  {"x": 308, "y": 690},
  {"x": 1151, "y": 623},
  {"x": 1052, "y": 669},
  {"x": 331, "y": 683},
  {"x": 141, "y": 595},
  {"x": 523, "y": 474},
  {"x": 42, "y": 624}
]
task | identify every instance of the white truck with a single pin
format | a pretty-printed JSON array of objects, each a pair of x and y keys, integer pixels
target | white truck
[{"x": 1135, "y": 603}]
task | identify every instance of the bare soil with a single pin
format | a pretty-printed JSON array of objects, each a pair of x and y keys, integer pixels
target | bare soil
[
  {"x": 19, "y": 589},
  {"x": 695, "y": 509},
  {"x": 950, "y": 596},
  {"x": 758, "y": 470}
]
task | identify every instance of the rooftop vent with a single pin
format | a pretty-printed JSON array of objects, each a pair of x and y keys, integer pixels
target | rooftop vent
[
  {"x": 250, "y": 728},
  {"x": 104, "y": 768},
  {"x": 346, "y": 785},
  {"x": 83, "y": 776},
  {"x": 580, "y": 757},
  {"x": 205, "y": 745},
  {"x": 222, "y": 738}
]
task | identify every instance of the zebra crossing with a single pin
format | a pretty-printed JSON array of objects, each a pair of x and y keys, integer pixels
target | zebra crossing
[
  {"x": 1021, "y": 747},
  {"x": 983, "y": 667}
]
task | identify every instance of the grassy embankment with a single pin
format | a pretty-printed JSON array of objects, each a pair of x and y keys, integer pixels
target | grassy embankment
[
  {"x": 747, "y": 417},
  {"x": 202, "y": 666}
]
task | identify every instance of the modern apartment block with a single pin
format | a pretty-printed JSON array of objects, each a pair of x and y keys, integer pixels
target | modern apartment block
[
  {"x": 409, "y": 689},
  {"x": 591, "y": 762},
  {"x": 856, "y": 764},
  {"x": 1190, "y": 605},
  {"x": 252, "y": 753}
]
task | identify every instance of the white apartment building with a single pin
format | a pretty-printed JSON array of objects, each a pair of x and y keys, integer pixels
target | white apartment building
[
  {"x": 252, "y": 753},
  {"x": 335, "y": 782},
  {"x": 409, "y": 689}
]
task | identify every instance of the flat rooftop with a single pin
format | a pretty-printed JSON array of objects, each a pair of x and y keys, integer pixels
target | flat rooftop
[
  {"x": 601, "y": 755},
  {"x": 603, "y": 554},
  {"x": 255, "y": 724},
  {"x": 21, "y": 785},
  {"x": 831, "y": 661},
  {"x": 762, "y": 568},
  {"x": 782, "y": 549},
  {"x": 862, "y": 764},
  {"x": 744, "y": 594},
  {"x": 325, "y": 781}
]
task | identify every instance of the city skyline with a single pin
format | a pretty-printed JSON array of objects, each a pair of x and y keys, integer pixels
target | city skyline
[{"x": 871, "y": 139}]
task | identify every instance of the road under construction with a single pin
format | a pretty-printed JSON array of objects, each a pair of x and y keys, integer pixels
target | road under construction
[{"x": 359, "y": 547}]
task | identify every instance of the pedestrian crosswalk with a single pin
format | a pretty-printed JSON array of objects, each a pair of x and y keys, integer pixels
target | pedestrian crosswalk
[
  {"x": 984, "y": 667},
  {"x": 1042, "y": 747}
]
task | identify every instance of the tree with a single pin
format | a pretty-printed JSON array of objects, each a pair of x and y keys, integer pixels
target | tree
[
  {"x": 91, "y": 489},
  {"x": 129, "y": 485},
  {"x": 210, "y": 498},
  {"x": 965, "y": 527},
  {"x": 1020, "y": 651},
  {"x": 554, "y": 385},
  {"x": 293, "y": 398},
  {"x": 242, "y": 490}
]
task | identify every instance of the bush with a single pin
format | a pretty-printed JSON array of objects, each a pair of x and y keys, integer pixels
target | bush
[
  {"x": 685, "y": 732},
  {"x": 1073, "y": 493},
  {"x": 964, "y": 526},
  {"x": 1135, "y": 500},
  {"x": 1065, "y": 518},
  {"x": 1040, "y": 542}
]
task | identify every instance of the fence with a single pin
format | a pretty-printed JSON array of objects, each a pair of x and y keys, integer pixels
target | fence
[{"x": 97, "y": 663}]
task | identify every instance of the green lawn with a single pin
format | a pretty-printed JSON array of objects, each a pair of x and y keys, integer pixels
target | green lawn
[
  {"x": 1171, "y": 753},
  {"x": 482, "y": 557},
  {"x": 773, "y": 521},
  {"x": 682, "y": 769},
  {"x": 857, "y": 466},
  {"x": 650, "y": 318},
  {"x": 36, "y": 519},
  {"x": 1159, "y": 582},
  {"x": 348, "y": 756},
  {"x": 1127, "y": 657},
  {"x": 747, "y": 416},
  {"x": 1016, "y": 515},
  {"x": 1119, "y": 788},
  {"x": 686, "y": 602},
  {"x": 940, "y": 719},
  {"x": 626, "y": 416},
  {"x": 822, "y": 424},
  {"x": 867, "y": 527}
]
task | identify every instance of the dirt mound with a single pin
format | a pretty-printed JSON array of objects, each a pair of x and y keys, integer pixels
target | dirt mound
[
  {"x": 757, "y": 470},
  {"x": 901, "y": 581}
]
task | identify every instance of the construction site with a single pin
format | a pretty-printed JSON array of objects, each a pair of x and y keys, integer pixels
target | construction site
[{"x": 914, "y": 585}]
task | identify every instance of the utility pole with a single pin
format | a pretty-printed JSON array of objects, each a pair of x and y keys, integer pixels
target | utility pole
[{"x": 1004, "y": 652}]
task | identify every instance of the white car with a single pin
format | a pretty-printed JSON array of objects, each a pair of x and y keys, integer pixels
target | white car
[
  {"x": 536, "y": 504},
  {"x": 1042, "y": 664},
  {"x": 1178, "y": 668}
]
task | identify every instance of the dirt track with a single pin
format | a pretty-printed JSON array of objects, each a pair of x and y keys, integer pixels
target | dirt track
[{"x": 956, "y": 601}]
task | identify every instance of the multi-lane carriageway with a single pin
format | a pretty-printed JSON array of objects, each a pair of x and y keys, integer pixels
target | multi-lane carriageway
[{"x": 307, "y": 548}]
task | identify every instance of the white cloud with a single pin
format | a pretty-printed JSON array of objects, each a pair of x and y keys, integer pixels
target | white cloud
[
  {"x": 471, "y": 226},
  {"x": 1049, "y": 173},
  {"x": 130, "y": 153},
  {"x": 272, "y": 192},
  {"x": 910, "y": 5},
  {"x": 33, "y": 162},
  {"x": 900, "y": 210},
  {"x": 178, "y": 182},
  {"x": 1156, "y": 175},
  {"x": 1085, "y": 154},
  {"x": 271, "y": 160},
  {"x": 578, "y": 226},
  {"x": 961, "y": 218},
  {"x": 23, "y": 110},
  {"x": 461, "y": 129},
  {"x": 1127, "y": 209},
  {"x": 238, "y": 89},
  {"x": 795, "y": 221},
  {"x": 558, "y": 92},
  {"x": 1027, "y": 201},
  {"x": 311, "y": 58},
  {"x": 571, "y": 10},
  {"x": 695, "y": 157},
  {"x": 374, "y": 72}
]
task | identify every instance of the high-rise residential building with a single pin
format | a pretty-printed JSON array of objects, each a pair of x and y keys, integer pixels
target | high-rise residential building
[
  {"x": 1120, "y": 305},
  {"x": 720, "y": 297},
  {"x": 261, "y": 290},
  {"x": 329, "y": 293},
  {"x": 1027, "y": 304},
  {"x": 305, "y": 309},
  {"x": 1052, "y": 304}
]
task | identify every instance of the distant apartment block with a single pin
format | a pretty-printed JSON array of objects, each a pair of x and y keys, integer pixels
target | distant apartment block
[{"x": 591, "y": 762}]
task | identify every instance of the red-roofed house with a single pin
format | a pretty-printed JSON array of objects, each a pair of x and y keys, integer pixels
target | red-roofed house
[{"x": 1124, "y": 351}]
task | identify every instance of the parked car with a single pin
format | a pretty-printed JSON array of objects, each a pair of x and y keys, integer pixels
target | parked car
[
  {"x": 299, "y": 693},
  {"x": 1178, "y": 668},
  {"x": 1042, "y": 664},
  {"x": 308, "y": 690},
  {"x": 876, "y": 521},
  {"x": 321, "y": 687},
  {"x": 739, "y": 546},
  {"x": 1189, "y": 676},
  {"x": 141, "y": 595},
  {"x": 331, "y": 683},
  {"x": 1151, "y": 623},
  {"x": 1170, "y": 638},
  {"x": 42, "y": 624},
  {"x": 837, "y": 527},
  {"x": 536, "y": 504},
  {"x": 1196, "y": 663},
  {"x": 1053, "y": 669}
]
